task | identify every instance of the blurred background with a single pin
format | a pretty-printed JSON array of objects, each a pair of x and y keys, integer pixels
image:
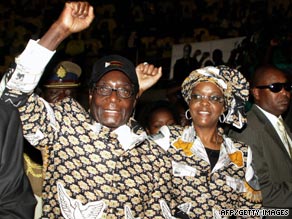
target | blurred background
[{"x": 149, "y": 30}]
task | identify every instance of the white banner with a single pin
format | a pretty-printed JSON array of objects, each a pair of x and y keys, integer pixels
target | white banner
[{"x": 225, "y": 45}]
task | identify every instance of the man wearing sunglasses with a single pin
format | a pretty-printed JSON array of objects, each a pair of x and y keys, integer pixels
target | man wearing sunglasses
[{"x": 272, "y": 151}]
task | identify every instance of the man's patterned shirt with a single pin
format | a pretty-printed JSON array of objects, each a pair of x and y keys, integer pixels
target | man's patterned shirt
[{"x": 88, "y": 166}]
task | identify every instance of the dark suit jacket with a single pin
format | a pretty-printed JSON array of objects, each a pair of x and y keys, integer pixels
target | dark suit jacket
[
  {"x": 183, "y": 67},
  {"x": 16, "y": 198},
  {"x": 272, "y": 162}
]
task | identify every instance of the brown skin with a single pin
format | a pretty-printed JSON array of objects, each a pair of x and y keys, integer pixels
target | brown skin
[
  {"x": 274, "y": 103},
  {"x": 205, "y": 115},
  {"x": 183, "y": 121},
  {"x": 112, "y": 111},
  {"x": 147, "y": 75},
  {"x": 75, "y": 17},
  {"x": 159, "y": 118},
  {"x": 54, "y": 95}
]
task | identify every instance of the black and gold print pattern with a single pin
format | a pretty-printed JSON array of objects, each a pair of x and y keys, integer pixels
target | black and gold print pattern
[
  {"x": 208, "y": 190},
  {"x": 92, "y": 166}
]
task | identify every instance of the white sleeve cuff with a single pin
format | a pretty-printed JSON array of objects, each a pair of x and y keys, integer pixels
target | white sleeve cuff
[{"x": 30, "y": 66}]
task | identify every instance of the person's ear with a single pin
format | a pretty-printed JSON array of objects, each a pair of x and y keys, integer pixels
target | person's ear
[
  {"x": 147, "y": 131},
  {"x": 90, "y": 93},
  {"x": 134, "y": 105},
  {"x": 255, "y": 93},
  {"x": 136, "y": 99}
]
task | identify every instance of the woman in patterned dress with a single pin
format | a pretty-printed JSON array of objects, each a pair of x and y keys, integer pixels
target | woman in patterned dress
[{"x": 211, "y": 171}]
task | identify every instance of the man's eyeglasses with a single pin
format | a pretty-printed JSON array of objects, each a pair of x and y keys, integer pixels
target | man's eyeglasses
[
  {"x": 122, "y": 92},
  {"x": 277, "y": 87},
  {"x": 212, "y": 98}
]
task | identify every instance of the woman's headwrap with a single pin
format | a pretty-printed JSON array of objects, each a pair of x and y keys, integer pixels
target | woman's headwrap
[{"x": 233, "y": 85}]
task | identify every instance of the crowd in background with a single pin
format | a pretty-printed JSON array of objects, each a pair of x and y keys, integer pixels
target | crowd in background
[{"x": 146, "y": 30}]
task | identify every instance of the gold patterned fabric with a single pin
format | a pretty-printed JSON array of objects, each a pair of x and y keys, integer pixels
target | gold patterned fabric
[
  {"x": 88, "y": 162},
  {"x": 205, "y": 190},
  {"x": 34, "y": 171}
]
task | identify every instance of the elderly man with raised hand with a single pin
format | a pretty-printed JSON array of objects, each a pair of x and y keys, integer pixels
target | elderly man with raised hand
[{"x": 100, "y": 164}]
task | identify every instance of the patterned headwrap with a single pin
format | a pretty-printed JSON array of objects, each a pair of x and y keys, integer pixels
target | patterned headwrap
[{"x": 233, "y": 85}]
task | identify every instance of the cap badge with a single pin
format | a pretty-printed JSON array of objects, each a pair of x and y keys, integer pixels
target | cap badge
[{"x": 61, "y": 72}]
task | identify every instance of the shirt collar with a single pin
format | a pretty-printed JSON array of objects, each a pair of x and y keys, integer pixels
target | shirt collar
[
  {"x": 272, "y": 118},
  {"x": 127, "y": 138}
]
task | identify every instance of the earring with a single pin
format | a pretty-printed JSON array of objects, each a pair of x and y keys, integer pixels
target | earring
[
  {"x": 186, "y": 114},
  {"x": 222, "y": 118}
]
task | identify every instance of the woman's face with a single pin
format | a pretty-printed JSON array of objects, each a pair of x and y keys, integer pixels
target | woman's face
[{"x": 206, "y": 105}]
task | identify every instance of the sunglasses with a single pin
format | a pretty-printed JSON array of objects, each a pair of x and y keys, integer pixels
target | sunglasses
[{"x": 277, "y": 87}]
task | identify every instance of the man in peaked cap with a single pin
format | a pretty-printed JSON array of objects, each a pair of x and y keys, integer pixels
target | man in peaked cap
[{"x": 63, "y": 82}]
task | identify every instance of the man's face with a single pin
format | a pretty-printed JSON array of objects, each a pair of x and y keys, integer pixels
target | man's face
[
  {"x": 112, "y": 110},
  {"x": 274, "y": 103},
  {"x": 187, "y": 51},
  {"x": 54, "y": 95}
]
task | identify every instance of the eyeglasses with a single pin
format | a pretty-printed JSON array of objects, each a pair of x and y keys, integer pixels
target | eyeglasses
[
  {"x": 212, "y": 98},
  {"x": 277, "y": 87},
  {"x": 122, "y": 92}
]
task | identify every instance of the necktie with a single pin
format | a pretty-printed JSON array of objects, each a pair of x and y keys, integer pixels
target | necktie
[{"x": 284, "y": 135}]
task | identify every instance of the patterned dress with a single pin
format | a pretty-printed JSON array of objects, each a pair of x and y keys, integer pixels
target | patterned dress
[{"x": 201, "y": 192}]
